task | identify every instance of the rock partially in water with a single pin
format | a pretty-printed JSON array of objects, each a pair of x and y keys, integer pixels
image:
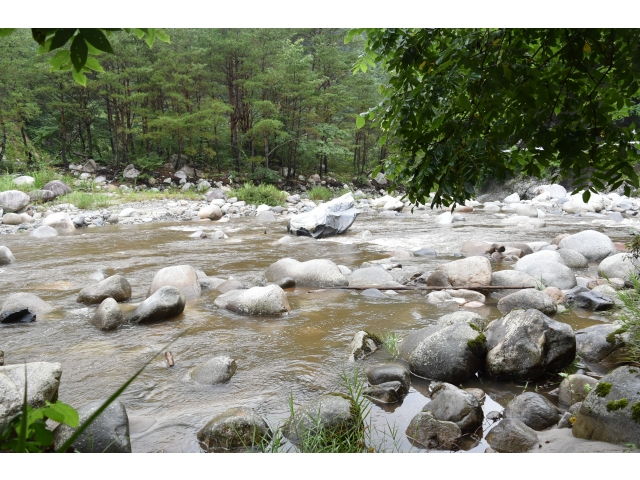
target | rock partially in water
[
  {"x": 229, "y": 285},
  {"x": 471, "y": 271},
  {"x": 552, "y": 274},
  {"x": 116, "y": 287},
  {"x": 512, "y": 436},
  {"x": 438, "y": 279},
  {"x": 469, "y": 318},
  {"x": 168, "y": 302},
  {"x": 23, "y": 307},
  {"x": 236, "y": 429},
  {"x": 382, "y": 373},
  {"x": 513, "y": 278},
  {"x": 109, "y": 433},
  {"x": 212, "y": 212},
  {"x": 60, "y": 221},
  {"x": 371, "y": 276},
  {"x": 286, "y": 282},
  {"x": 6, "y": 257},
  {"x": 109, "y": 316},
  {"x": 523, "y": 345},
  {"x": 620, "y": 265},
  {"x": 269, "y": 300},
  {"x": 331, "y": 413},
  {"x": 449, "y": 353},
  {"x": 313, "y": 273},
  {"x": 593, "y": 301},
  {"x": 452, "y": 404},
  {"x": 534, "y": 410},
  {"x": 44, "y": 232},
  {"x": 611, "y": 411},
  {"x": 373, "y": 293},
  {"x": 215, "y": 370},
  {"x": 598, "y": 342},
  {"x": 574, "y": 388},
  {"x": 473, "y": 248},
  {"x": 573, "y": 258},
  {"x": 526, "y": 299},
  {"x": 182, "y": 277},
  {"x": 594, "y": 246},
  {"x": 331, "y": 218},
  {"x": 388, "y": 392},
  {"x": 428, "y": 432},
  {"x": 363, "y": 344},
  {"x": 43, "y": 380}
]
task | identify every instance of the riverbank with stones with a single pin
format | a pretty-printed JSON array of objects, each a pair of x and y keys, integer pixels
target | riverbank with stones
[{"x": 597, "y": 412}]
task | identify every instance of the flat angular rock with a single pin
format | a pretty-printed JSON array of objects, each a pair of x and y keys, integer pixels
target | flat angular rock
[
  {"x": 383, "y": 373},
  {"x": 428, "y": 432},
  {"x": 594, "y": 301},
  {"x": 363, "y": 344}
]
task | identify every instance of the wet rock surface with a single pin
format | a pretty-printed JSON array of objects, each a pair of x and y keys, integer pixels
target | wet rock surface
[
  {"x": 534, "y": 410},
  {"x": 236, "y": 429}
]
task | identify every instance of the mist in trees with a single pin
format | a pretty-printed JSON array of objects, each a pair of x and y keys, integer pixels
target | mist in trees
[{"x": 229, "y": 99}]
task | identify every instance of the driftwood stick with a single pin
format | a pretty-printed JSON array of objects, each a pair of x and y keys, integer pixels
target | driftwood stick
[
  {"x": 169, "y": 357},
  {"x": 483, "y": 287}
]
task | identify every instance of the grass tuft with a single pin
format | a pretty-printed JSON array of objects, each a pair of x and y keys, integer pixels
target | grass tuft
[
  {"x": 257, "y": 195},
  {"x": 320, "y": 193}
]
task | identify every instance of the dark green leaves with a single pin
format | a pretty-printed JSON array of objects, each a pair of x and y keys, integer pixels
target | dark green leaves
[
  {"x": 61, "y": 37},
  {"x": 5, "y": 32},
  {"x": 79, "y": 52},
  {"x": 96, "y": 38}
]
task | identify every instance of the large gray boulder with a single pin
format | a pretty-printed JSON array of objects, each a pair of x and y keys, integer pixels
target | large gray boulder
[
  {"x": 313, "y": 273},
  {"x": 611, "y": 411},
  {"x": 165, "y": 303},
  {"x": 428, "y": 432},
  {"x": 236, "y": 429},
  {"x": 512, "y": 436},
  {"x": 620, "y": 265},
  {"x": 452, "y": 404},
  {"x": 183, "y": 277},
  {"x": 58, "y": 187},
  {"x": 573, "y": 258},
  {"x": 594, "y": 246},
  {"x": 23, "y": 307},
  {"x": 534, "y": 410},
  {"x": 574, "y": 388},
  {"x": 329, "y": 413},
  {"x": 13, "y": 200},
  {"x": 6, "y": 257},
  {"x": 44, "y": 232},
  {"x": 513, "y": 278},
  {"x": 463, "y": 316},
  {"x": 215, "y": 370},
  {"x": 116, "y": 287},
  {"x": 598, "y": 342},
  {"x": 526, "y": 299},
  {"x": 43, "y": 380},
  {"x": 542, "y": 256},
  {"x": 523, "y": 345},
  {"x": 212, "y": 212},
  {"x": 60, "y": 221},
  {"x": 269, "y": 300},
  {"x": 373, "y": 276},
  {"x": 471, "y": 271},
  {"x": 449, "y": 353},
  {"x": 109, "y": 432},
  {"x": 330, "y": 218},
  {"x": 552, "y": 274},
  {"x": 41, "y": 195},
  {"x": 109, "y": 316}
]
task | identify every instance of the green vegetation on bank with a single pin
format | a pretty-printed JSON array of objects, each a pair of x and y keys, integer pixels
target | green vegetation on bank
[{"x": 258, "y": 195}]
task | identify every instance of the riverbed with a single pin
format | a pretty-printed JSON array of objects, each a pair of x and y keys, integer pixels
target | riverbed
[{"x": 301, "y": 354}]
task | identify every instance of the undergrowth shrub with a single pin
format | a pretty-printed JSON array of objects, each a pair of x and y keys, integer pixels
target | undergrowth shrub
[
  {"x": 320, "y": 193},
  {"x": 263, "y": 193}
]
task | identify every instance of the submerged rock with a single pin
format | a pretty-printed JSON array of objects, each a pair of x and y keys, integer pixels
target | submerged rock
[
  {"x": 269, "y": 300},
  {"x": 534, "y": 410},
  {"x": 168, "y": 302},
  {"x": 523, "y": 345},
  {"x": 383, "y": 373},
  {"x": 60, "y": 221},
  {"x": 109, "y": 433},
  {"x": 215, "y": 370},
  {"x": 116, "y": 287},
  {"x": 44, "y": 232},
  {"x": 6, "y": 257},
  {"x": 236, "y": 429},
  {"x": 23, "y": 307}
]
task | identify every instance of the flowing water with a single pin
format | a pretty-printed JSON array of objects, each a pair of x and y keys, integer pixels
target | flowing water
[{"x": 301, "y": 354}]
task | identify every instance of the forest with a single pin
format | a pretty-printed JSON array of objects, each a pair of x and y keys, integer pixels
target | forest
[{"x": 266, "y": 102}]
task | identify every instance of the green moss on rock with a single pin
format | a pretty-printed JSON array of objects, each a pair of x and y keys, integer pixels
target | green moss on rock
[
  {"x": 614, "y": 405},
  {"x": 635, "y": 412},
  {"x": 478, "y": 345},
  {"x": 611, "y": 338},
  {"x": 603, "y": 389}
]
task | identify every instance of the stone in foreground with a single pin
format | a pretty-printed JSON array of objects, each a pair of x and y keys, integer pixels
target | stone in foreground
[
  {"x": 452, "y": 404},
  {"x": 534, "y": 410},
  {"x": 108, "y": 316},
  {"x": 269, "y": 300},
  {"x": 182, "y": 277},
  {"x": 428, "y": 432},
  {"x": 512, "y": 436},
  {"x": 109, "y": 433},
  {"x": 168, "y": 302},
  {"x": 236, "y": 429},
  {"x": 116, "y": 287},
  {"x": 23, "y": 307}
]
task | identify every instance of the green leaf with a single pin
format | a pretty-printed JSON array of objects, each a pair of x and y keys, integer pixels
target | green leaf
[
  {"x": 382, "y": 140},
  {"x": 97, "y": 38},
  {"x": 62, "y": 36},
  {"x": 68, "y": 414},
  {"x": 360, "y": 121},
  {"x": 59, "y": 59},
  {"x": 79, "y": 52},
  {"x": 5, "y": 32},
  {"x": 151, "y": 37},
  {"x": 93, "y": 64},
  {"x": 79, "y": 77},
  {"x": 139, "y": 33},
  {"x": 163, "y": 37}
]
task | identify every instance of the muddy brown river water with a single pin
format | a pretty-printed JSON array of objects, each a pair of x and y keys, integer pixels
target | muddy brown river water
[{"x": 299, "y": 354}]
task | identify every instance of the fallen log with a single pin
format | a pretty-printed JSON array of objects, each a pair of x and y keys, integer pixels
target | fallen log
[{"x": 425, "y": 288}]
